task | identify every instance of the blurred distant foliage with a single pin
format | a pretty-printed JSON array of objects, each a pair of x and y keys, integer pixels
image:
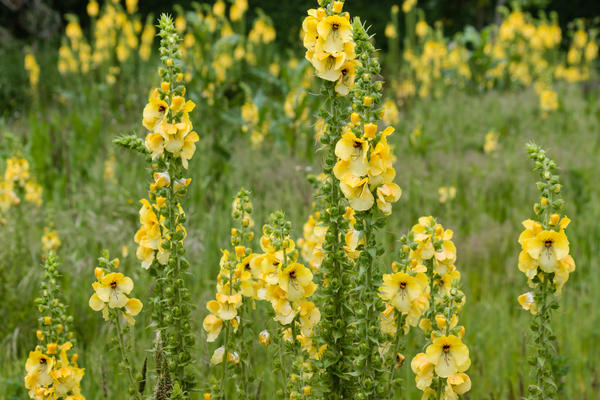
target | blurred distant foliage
[{"x": 41, "y": 18}]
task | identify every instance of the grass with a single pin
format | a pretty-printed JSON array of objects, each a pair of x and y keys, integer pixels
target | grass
[{"x": 495, "y": 192}]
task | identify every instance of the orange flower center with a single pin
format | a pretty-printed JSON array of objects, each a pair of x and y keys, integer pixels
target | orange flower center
[
  {"x": 446, "y": 348},
  {"x": 548, "y": 243},
  {"x": 402, "y": 285},
  {"x": 293, "y": 274},
  {"x": 42, "y": 360},
  {"x": 335, "y": 27},
  {"x": 356, "y": 144}
]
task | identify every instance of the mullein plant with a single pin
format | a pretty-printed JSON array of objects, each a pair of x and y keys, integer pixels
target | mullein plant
[
  {"x": 169, "y": 145},
  {"x": 546, "y": 262},
  {"x": 51, "y": 373},
  {"x": 229, "y": 312},
  {"x": 111, "y": 297},
  {"x": 424, "y": 291},
  {"x": 287, "y": 285},
  {"x": 328, "y": 38},
  {"x": 365, "y": 172}
]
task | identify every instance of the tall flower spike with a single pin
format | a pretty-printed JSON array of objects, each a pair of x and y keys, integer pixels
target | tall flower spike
[
  {"x": 237, "y": 287},
  {"x": 170, "y": 142},
  {"x": 328, "y": 51},
  {"x": 364, "y": 168},
  {"x": 112, "y": 291},
  {"x": 432, "y": 299},
  {"x": 49, "y": 369},
  {"x": 546, "y": 262}
]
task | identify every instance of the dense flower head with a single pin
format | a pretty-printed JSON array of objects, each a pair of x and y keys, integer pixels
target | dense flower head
[
  {"x": 166, "y": 116},
  {"x": 18, "y": 184},
  {"x": 53, "y": 376},
  {"x": 327, "y": 37},
  {"x": 424, "y": 291}
]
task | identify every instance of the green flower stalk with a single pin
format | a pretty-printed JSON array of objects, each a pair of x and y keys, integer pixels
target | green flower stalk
[
  {"x": 427, "y": 291},
  {"x": 111, "y": 297},
  {"x": 169, "y": 145},
  {"x": 364, "y": 165},
  {"x": 229, "y": 313},
  {"x": 54, "y": 321},
  {"x": 546, "y": 262},
  {"x": 49, "y": 368}
]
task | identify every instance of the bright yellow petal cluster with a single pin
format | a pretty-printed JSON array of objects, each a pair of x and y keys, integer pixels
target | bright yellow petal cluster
[
  {"x": 17, "y": 179},
  {"x": 50, "y": 378},
  {"x": 546, "y": 251},
  {"x": 110, "y": 292},
  {"x": 365, "y": 169},
  {"x": 329, "y": 44},
  {"x": 169, "y": 125}
]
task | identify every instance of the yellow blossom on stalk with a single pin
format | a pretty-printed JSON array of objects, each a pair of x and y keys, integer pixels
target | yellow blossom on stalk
[
  {"x": 110, "y": 292},
  {"x": 449, "y": 356},
  {"x": 408, "y": 5},
  {"x": 491, "y": 142},
  {"x": 446, "y": 193},
  {"x": 330, "y": 47},
  {"x": 50, "y": 240},
  {"x": 33, "y": 69}
]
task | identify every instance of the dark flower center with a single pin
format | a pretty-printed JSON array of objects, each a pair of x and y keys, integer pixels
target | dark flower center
[
  {"x": 335, "y": 27},
  {"x": 293, "y": 274},
  {"x": 446, "y": 348},
  {"x": 42, "y": 360},
  {"x": 113, "y": 284},
  {"x": 402, "y": 285},
  {"x": 548, "y": 243}
]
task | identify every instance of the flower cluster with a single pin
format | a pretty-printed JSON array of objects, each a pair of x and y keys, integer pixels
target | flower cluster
[
  {"x": 115, "y": 37},
  {"x": 364, "y": 157},
  {"x": 287, "y": 283},
  {"x": 327, "y": 35},
  {"x": 440, "y": 371},
  {"x": 546, "y": 262},
  {"x": 111, "y": 291},
  {"x": 236, "y": 279},
  {"x": 33, "y": 70},
  {"x": 49, "y": 377},
  {"x": 18, "y": 184},
  {"x": 50, "y": 372},
  {"x": 50, "y": 240}
]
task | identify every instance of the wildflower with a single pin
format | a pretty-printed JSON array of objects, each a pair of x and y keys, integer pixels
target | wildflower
[{"x": 449, "y": 355}]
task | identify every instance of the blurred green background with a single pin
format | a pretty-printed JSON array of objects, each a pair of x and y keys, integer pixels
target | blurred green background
[{"x": 30, "y": 19}]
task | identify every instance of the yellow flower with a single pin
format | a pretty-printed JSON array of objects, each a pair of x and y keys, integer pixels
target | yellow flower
[
  {"x": 357, "y": 192},
  {"x": 352, "y": 152},
  {"x": 113, "y": 289},
  {"x": 400, "y": 289},
  {"x": 527, "y": 302},
  {"x": 212, "y": 325},
  {"x": 132, "y": 308},
  {"x": 225, "y": 306},
  {"x": 92, "y": 8},
  {"x": 154, "y": 112},
  {"x": 264, "y": 337},
  {"x": 296, "y": 281},
  {"x": 449, "y": 355},
  {"x": 547, "y": 248},
  {"x": 38, "y": 367},
  {"x": 423, "y": 370},
  {"x": 334, "y": 31},
  {"x": 387, "y": 194},
  {"x": 347, "y": 78},
  {"x": 459, "y": 383}
]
